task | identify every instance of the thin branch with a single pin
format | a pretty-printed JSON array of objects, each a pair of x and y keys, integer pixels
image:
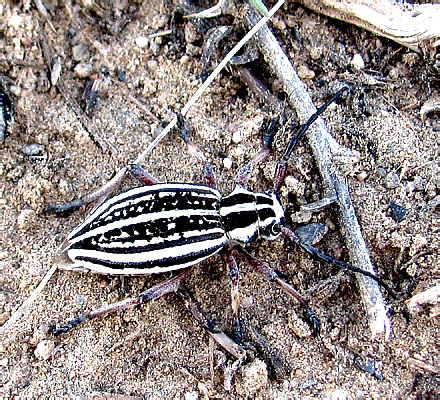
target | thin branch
[
  {"x": 322, "y": 144},
  {"x": 19, "y": 312}
]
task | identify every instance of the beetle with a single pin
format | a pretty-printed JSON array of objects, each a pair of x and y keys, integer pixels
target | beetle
[{"x": 162, "y": 227}]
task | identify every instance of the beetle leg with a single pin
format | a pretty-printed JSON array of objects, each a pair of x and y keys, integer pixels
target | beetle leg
[
  {"x": 208, "y": 324},
  {"x": 265, "y": 270},
  {"x": 168, "y": 286},
  {"x": 142, "y": 175},
  {"x": 233, "y": 275},
  {"x": 242, "y": 177},
  {"x": 208, "y": 171},
  {"x": 98, "y": 195}
]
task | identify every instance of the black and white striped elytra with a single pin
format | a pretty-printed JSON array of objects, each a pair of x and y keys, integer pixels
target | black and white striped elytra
[{"x": 165, "y": 227}]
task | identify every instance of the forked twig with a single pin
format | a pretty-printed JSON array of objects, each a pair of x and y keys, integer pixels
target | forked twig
[{"x": 323, "y": 146}]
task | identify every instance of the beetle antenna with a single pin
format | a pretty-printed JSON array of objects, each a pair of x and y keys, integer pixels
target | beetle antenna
[
  {"x": 289, "y": 233},
  {"x": 282, "y": 163}
]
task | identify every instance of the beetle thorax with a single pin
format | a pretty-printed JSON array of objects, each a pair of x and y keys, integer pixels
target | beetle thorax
[{"x": 247, "y": 215}]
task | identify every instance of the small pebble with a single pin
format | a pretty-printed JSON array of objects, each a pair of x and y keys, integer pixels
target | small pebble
[
  {"x": 298, "y": 326},
  {"x": 290, "y": 20},
  {"x": 361, "y": 176},
  {"x": 294, "y": 185},
  {"x": 80, "y": 52},
  {"x": 410, "y": 59},
  {"x": 4, "y": 317},
  {"x": 152, "y": 65},
  {"x": 103, "y": 284},
  {"x": 159, "y": 21},
  {"x": 278, "y": 23},
  {"x": 192, "y": 50},
  {"x": 24, "y": 219},
  {"x": 185, "y": 60},
  {"x": 227, "y": 163},
  {"x": 357, "y": 62},
  {"x": 71, "y": 33},
  {"x": 33, "y": 149},
  {"x": 191, "y": 396},
  {"x": 15, "y": 21},
  {"x": 44, "y": 349},
  {"x": 79, "y": 299},
  {"x": 418, "y": 242},
  {"x": 34, "y": 270},
  {"x": 203, "y": 389},
  {"x": 247, "y": 302},
  {"x": 15, "y": 90},
  {"x": 236, "y": 137},
  {"x": 339, "y": 394},
  {"x": 154, "y": 47},
  {"x": 120, "y": 75},
  {"x": 397, "y": 212},
  {"x": 191, "y": 34},
  {"x": 83, "y": 70},
  {"x": 381, "y": 172},
  {"x": 301, "y": 217},
  {"x": 238, "y": 151},
  {"x": 312, "y": 233},
  {"x": 394, "y": 73},
  {"x": 334, "y": 334},
  {"x": 305, "y": 72},
  {"x": 315, "y": 53},
  {"x": 56, "y": 71},
  {"x": 142, "y": 41},
  {"x": 392, "y": 180}
]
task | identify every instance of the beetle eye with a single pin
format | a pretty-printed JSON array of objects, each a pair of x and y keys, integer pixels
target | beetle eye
[{"x": 276, "y": 229}]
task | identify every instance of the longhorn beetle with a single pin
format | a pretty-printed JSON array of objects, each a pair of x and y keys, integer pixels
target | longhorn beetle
[{"x": 162, "y": 227}]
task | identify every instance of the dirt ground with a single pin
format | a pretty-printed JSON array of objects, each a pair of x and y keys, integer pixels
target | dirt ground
[{"x": 157, "y": 350}]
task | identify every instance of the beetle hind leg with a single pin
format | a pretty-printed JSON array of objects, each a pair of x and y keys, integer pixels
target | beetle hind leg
[{"x": 168, "y": 286}]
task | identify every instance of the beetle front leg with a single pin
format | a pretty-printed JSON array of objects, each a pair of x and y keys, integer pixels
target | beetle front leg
[
  {"x": 170, "y": 285},
  {"x": 266, "y": 271},
  {"x": 292, "y": 236}
]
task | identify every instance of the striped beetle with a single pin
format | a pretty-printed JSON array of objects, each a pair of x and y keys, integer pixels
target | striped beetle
[{"x": 161, "y": 227}]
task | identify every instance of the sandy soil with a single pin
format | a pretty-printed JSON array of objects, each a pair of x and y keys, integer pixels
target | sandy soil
[{"x": 157, "y": 350}]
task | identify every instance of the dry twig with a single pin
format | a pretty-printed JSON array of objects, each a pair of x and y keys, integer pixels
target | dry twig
[{"x": 323, "y": 146}]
